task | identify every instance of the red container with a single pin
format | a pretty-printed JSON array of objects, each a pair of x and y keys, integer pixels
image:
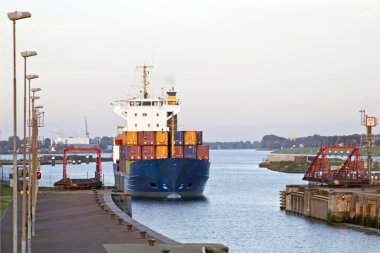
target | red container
[
  {"x": 148, "y": 152},
  {"x": 122, "y": 165},
  {"x": 118, "y": 140},
  {"x": 203, "y": 152},
  {"x": 178, "y": 152},
  {"x": 133, "y": 153},
  {"x": 199, "y": 137},
  {"x": 146, "y": 138}
]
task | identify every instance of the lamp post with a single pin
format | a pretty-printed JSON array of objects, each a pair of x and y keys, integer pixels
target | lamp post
[
  {"x": 29, "y": 77},
  {"x": 34, "y": 159},
  {"x": 24, "y": 54},
  {"x": 13, "y": 16}
]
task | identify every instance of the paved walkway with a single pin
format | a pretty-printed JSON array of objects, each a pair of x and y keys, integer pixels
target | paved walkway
[
  {"x": 74, "y": 222},
  {"x": 71, "y": 222}
]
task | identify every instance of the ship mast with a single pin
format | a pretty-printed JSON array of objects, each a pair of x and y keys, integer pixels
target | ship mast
[
  {"x": 145, "y": 79},
  {"x": 173, "y": 141}
]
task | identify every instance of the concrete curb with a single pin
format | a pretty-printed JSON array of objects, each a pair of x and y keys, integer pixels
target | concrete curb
[{"x": 112, "y": 206}]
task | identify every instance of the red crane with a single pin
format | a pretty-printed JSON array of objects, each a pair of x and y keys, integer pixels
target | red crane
[
  {"x": 67, "y": 183},
  {"x": 352, "y": 172}
]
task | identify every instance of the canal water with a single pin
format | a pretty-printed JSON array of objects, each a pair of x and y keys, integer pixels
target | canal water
[{"x": 241, "y": 210}]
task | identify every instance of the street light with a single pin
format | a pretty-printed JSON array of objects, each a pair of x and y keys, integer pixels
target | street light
[
  {"x": 13, "y": 16},
  {"x": 24, "y": 54},
  {"x": 34, "y": 159},
  {"x": 29, "y": 77}
]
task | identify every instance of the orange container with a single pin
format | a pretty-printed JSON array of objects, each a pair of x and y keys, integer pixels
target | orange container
[
  {"x": 190, "y": 138},
  {"x": 130, "y": 138},
  {"x": 162, "y": 138},
  {"x": 161, "y": 152}
]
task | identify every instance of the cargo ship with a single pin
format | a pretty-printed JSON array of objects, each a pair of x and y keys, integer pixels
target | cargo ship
[{"x": 151, "y": 156}]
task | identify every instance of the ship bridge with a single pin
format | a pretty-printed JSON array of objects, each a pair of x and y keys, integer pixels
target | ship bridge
[{"x": 145, "y": 114}]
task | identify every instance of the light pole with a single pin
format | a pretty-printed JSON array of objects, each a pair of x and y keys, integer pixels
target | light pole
[
  {"x": 24, "y": 54},
  {"x": 34, "y": 159},
  {"x": 29, "y": 77},
  {"x": 13, "y": 16}
]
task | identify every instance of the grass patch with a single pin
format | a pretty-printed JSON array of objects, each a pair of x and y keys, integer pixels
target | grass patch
[{"x": 5, "y": 191}]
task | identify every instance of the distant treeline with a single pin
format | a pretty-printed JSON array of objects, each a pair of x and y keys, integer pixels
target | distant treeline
[
  {"x": 277, "y": 142},
  {"x": 267, "y": 142},
  {"x": 234, "y": 145}
]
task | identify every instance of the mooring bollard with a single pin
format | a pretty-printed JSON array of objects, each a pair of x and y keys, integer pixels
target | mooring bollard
[
  {"x": 106, "y": 210},
  {"x": 129, "y": 227},
  {"x": 142, "y": 234},
  {"x": 102, "y": 206},
  {"x": 112, "y": 215},
  {"x": 120, "y": 220},
  {"x": 151, "y": 241},
  {"x": 165, "y": 250},
  {"x": 99, "y": 203}
]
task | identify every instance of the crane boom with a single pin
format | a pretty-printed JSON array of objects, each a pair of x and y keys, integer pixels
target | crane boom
[{"x": 87, "y": 134}]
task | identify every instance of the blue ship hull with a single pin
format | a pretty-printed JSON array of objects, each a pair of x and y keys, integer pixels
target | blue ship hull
[{"x": 161, "y": 178}]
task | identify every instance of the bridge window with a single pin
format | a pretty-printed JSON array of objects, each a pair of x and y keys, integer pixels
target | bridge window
[
  {"x": 158, "y": 114},
  {"x": 135, "y": 125},
  {"x": 148, "y": 125},
  {"x": 136, "y": 114},
  {"x": 132, "y": 103},
  {"x": 145, "y": 114},
  {"x": 158, "y": 125},
  {"x": 146, "y": 103},
  {"x": 155, "y": 103},
  {"x": 137, "y": 103}
]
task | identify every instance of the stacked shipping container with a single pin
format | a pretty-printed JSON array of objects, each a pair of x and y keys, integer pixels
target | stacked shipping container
[{"x": 149, "y": 145}]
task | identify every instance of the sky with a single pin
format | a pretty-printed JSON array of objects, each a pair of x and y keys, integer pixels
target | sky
[{"x": 242, "y": 68}]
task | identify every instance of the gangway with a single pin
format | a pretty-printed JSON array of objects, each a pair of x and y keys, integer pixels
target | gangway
[
  {"x": 351, "y": 173},
  {"x": 80, "y": 184}
]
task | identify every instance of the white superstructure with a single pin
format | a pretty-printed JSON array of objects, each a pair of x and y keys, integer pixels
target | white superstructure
[{"x": 147, "y": 113}]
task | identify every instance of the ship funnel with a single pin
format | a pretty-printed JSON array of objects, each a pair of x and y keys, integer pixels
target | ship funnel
[{"x": 172, "y": 97}]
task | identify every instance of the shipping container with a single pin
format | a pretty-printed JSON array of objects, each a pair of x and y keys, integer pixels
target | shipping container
[
  {"x": 178, "y": 138},
  {"x": 130, "y": 138},
  {"x": 203, "y": 152},
  {"x": 118, "y": 140},
  {"x": 148, "y": 152},
  {"x": 190, "y": 138},
  {"x": 162, "y": 138},
  {"x": 122, "y": 165},
  {"x": 134, "y": 153},
  {"x": 161, "y": 152},
  {"x": 199, "y": 137},
  {"x": 178, "y": 152},
  {"x": 190, "y": 152},
  {"x": 146, "y": 138},
  {"x": 123, "y": 152}
]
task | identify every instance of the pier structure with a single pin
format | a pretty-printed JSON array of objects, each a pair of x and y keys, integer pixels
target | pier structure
[{"x": 360, "y": 206}]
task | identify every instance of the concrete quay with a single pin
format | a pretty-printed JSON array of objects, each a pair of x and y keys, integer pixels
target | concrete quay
[
  {"x": 354, "y": 205},
  {"x": 87, "y": 221}
]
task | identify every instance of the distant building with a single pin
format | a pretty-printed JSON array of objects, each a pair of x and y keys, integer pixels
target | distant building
[{"x": 71, "y": 140}]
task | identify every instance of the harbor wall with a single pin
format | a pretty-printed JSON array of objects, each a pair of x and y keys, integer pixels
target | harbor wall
[{"x": 360, "y": 206}]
